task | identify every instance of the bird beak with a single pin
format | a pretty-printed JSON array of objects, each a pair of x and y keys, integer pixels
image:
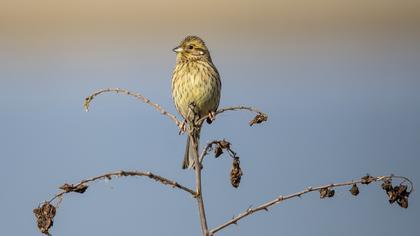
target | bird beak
[{"x": 177, "y": 49}]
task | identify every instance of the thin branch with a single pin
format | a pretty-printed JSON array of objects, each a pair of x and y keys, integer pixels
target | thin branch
[
  {"x": 260, "y": 115},
  {"x": 197, "y": 168},
  {"x": 81, "y": 186},
  {"x": 207, "y": 149},
  {"x": 89, "y": 99},
  {"x": 233, "y": 108},
  {"x": 365, "y": 180},
  {"x": 46, "y": 211}
]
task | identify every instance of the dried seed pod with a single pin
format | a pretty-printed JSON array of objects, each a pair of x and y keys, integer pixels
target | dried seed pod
[
  {"x": 218, "y": 151},
  {"x": 367, "y": 179},
  {"x": 326, "y": 192},
  {"x": 224, "y": 144},
  {"x": 403, "y": 202},
  {"x": 323, "y": 192},
  {"x": 392, "y": 196},
  {"x": 402, "y": 191},
  {"x": 45, "y": 217},
  {"x": 331, "y": 193},
  {"x": 387, "y": 185},
  {"x": 66, "y": 187},
  {"x": 259, "y": 118},
  {"x": 398, "y": 194},
  {"x": 80, "y": 188},
  {"x": 235, "y": 173},
  {"x": 354, "y": 190}
]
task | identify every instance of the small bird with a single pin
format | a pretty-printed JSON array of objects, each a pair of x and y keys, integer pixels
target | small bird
[{"x": 196, "y": 87}]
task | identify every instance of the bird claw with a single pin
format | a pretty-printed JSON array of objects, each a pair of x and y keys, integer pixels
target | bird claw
[{"x": 211, "y": 117}]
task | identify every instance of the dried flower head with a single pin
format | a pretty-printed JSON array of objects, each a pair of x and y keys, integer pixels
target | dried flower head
[
  {"x": 45, "y": 217},
  {"x": 398, "y": 193},
  {"x": 235, "y": 173}
]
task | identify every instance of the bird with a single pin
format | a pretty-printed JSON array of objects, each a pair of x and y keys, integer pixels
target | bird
[{"x": 196, "y": 88}]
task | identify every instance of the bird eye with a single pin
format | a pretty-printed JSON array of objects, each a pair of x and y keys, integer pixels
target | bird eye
[{"x": 190, "y": 47}]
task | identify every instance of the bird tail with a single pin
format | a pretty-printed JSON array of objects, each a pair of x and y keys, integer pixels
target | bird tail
[{"x": 189, "y": 153}]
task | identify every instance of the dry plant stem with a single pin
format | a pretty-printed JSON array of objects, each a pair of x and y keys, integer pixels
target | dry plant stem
[
  {"x": 281, "y": 198},
  {"x": 199, "y": 194},
  {"x": 234, "y": 108},
  {"x": 136, "y": 95},
  {"x": 158, "y": 178},
  {"x": 180, "y": 124},
  {"x": 80, "y": 187},
  {"x": 197, "y": 159},
  {"x": 206, "y": 150}
]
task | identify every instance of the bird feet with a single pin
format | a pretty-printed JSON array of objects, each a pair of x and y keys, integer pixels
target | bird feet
[{"x": 211, "y": 117}]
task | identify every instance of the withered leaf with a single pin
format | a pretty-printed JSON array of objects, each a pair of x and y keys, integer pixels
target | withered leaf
[
  {"x": 326, "y": 192},
  {"x": 331, "y": 193},
  {"x": 402, "y": 190},
  {"x": 224, "y": 144},
  {"x": 218, "y": 151},
  {"x": 392, "y": 196},
  {"x": 387, "y": 185},
  {"x": 259, "y": 118},
  {"x": 403, "y": 202},
  {"x": 367, "y": 179},
  {"x": 80, "y": 188},
  {"x": 323, "y": 192}
]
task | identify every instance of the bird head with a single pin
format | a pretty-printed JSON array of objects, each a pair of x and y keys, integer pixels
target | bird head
[{"x": 192, "y": 48}]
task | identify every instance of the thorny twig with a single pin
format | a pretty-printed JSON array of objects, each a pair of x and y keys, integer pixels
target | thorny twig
[
  {"x": 260, "y": 117},
  {"x": 82, "y": 185},
  {"x": 46, "y": 211},
  {"x": 89, "y": 99},
  {"x": 329, "y": 187}
]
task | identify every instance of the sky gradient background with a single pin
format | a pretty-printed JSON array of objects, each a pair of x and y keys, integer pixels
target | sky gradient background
[{"x": 338, "y": 79}]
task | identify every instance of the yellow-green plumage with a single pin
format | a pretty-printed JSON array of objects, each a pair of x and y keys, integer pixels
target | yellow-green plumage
[{"x": 195, "y": 84}]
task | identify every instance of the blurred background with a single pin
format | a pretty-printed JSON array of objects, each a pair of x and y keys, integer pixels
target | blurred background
[{"x": 339, "y": 80}]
